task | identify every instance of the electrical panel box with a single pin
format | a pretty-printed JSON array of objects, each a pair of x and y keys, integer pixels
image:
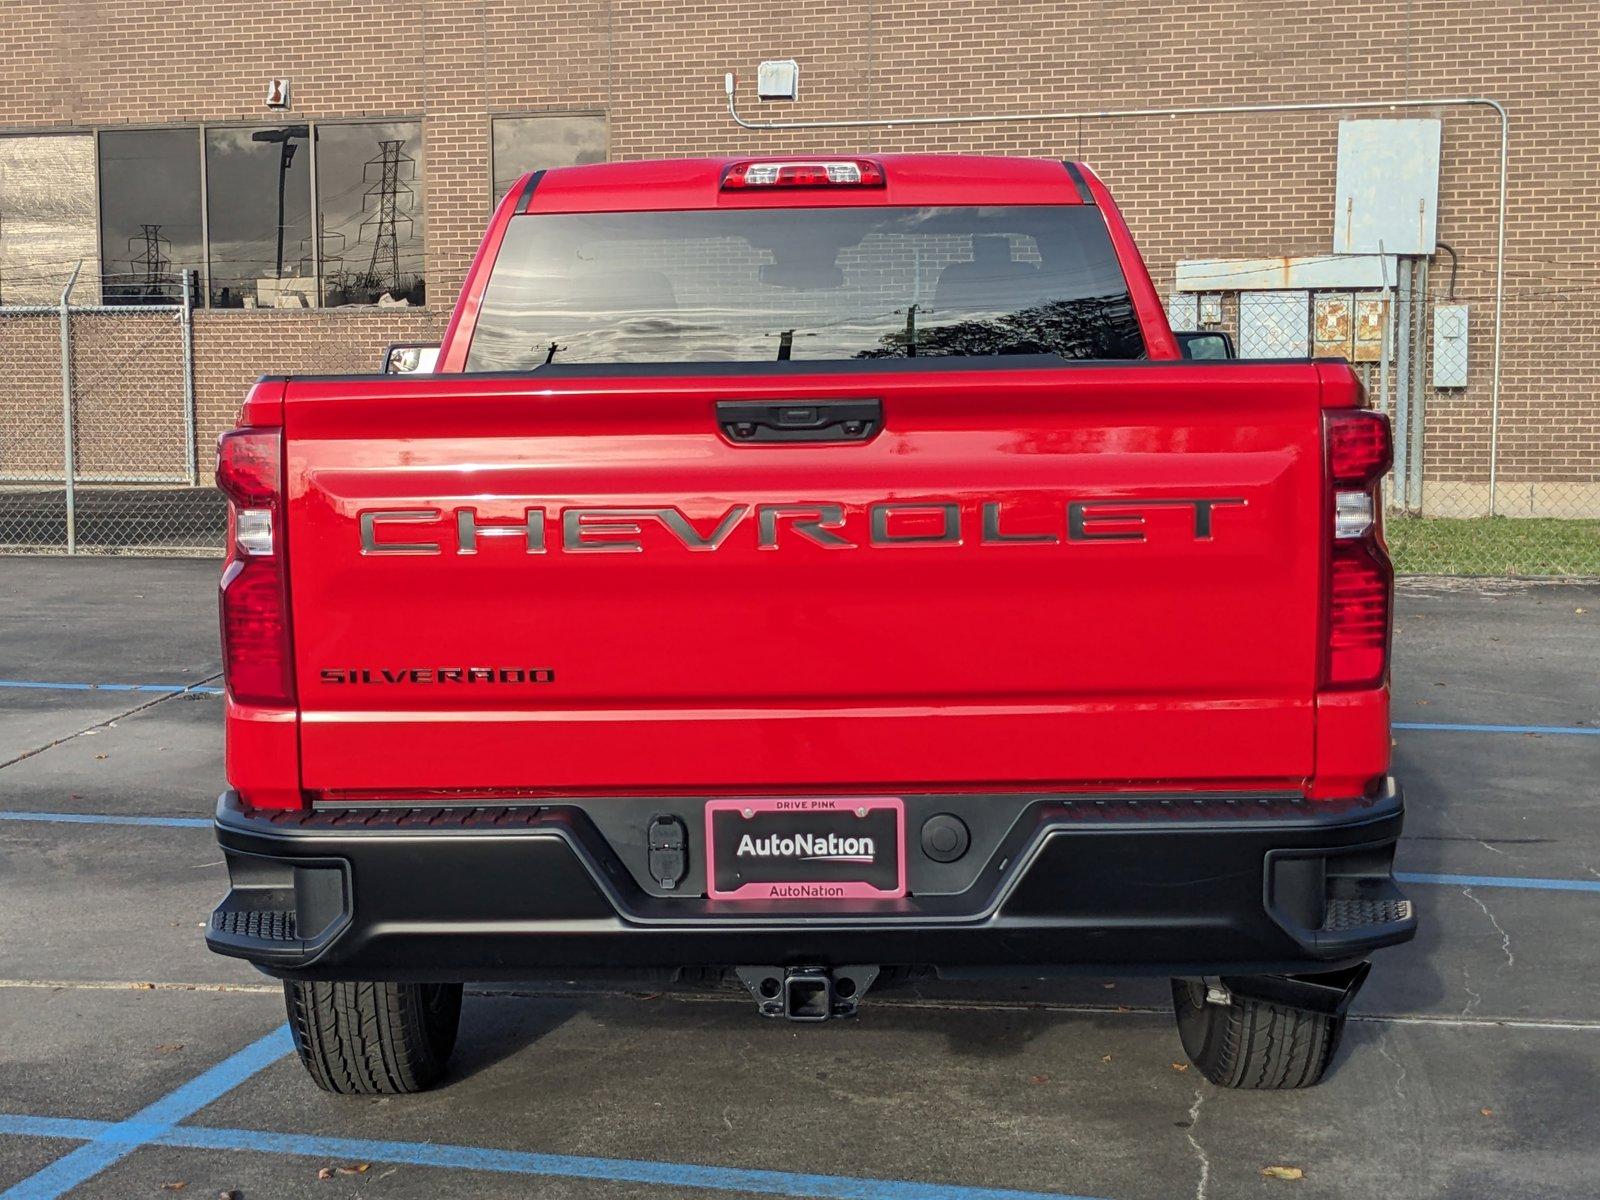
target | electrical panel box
[
  {"x": 1386, "y": 198},
  {"x": 778, "y": 79},
  {"x": 1333, "y": 326},
  {"x": 1450, "y": 345},
  {"x": 1372, "y": 320}
]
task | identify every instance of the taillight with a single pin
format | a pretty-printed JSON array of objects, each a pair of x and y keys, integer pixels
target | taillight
[
  {"x": 1359, "y": 449},
  {"x": 257, "y": 661},
  {"x": 833, "y": 172},
  {"x": 1360, "y": 588},
  {"x": 1360, "y": 580}
]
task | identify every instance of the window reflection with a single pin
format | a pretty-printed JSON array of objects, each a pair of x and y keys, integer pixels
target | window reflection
[
  {"x": 149, "y": 213},
  {"x": 260, "y": 214},
  {"x": 47, "y": 217},
  {"x": 810, "y": 283},
  {"x": 369, "y": 180},
  {"x": 523, "y": 144},
  {"x": 258, "y": 202}
]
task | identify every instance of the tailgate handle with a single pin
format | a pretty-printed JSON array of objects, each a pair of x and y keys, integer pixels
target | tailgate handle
[{"x": 800, "y": 420}]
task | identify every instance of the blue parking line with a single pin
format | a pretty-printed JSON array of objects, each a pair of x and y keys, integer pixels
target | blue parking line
[
  {"x": 1501, "y": 881},
  {"x": 158, "y": 1124},
  {"x": 108, "y": 819},
  {"x": 520, "y": 1162},
  {"x": 166, "y": 689},
  {"x": 608, "y": 1170},
  {"x": 53, "y": 1127},
  {"x": 116, "y": 1142},
  {"x": 1542, "y": 730}
]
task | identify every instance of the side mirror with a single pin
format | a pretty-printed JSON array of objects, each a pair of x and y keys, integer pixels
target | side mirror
[
  {"x": 1210, "y": 344},
  {"x": 410, "y": 358}
]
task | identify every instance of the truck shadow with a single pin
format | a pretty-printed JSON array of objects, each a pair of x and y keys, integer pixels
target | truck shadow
[
  {"x": 493, "y": 1033},
  {"x": 497, "y": 1024}
]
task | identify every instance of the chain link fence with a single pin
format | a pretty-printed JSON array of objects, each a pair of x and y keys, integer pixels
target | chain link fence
[
  {"x": 1476, "y": 489},
  {"x": 97, "y": 433},
  {"x": 108, "y": 413}
]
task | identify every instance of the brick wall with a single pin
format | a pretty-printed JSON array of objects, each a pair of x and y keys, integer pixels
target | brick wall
[
  {"x": 1191, "y": 187},
  {"x": 30, "y": 406}
]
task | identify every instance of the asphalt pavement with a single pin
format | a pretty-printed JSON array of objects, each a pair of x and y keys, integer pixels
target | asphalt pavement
[{"x": 133, "y": 1061}]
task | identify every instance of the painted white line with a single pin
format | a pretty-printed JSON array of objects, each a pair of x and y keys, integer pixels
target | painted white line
[{"x": 139, "y": 985}]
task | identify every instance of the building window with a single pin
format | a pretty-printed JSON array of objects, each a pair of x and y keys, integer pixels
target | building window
[
  {"x": 369, "y": 213},
  {"x": 47, "y": 216},
  {"x": 263, "y": 188},
  {"x": 149, "y": 214},
  {"x": 258, "y": 207},
  {"x": 523, "y": 144}
]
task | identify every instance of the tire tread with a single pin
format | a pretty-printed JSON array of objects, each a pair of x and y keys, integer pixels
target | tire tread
[
  {"x": 1253, "y": 1045},
  {"x": 372, "y": 1039}
]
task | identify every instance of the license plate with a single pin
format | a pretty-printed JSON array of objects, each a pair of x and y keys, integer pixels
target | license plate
[{"x": 797, "y": 848}]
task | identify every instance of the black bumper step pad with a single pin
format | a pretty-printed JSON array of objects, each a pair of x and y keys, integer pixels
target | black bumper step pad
[
  {"x": 1358, "y": 913},
  {"x": 266, "y": 924}
]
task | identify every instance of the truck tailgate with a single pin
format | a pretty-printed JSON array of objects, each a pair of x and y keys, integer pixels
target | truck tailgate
[{"x": 1037, "y": 577}]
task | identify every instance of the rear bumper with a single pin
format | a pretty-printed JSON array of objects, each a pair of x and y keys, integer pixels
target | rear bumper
[{"x": 1175, "y": 884}]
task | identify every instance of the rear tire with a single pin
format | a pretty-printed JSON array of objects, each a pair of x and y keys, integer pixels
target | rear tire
[
  {"x": 1252, "y": 1044},
  {"x": 373, "y": 1039}
]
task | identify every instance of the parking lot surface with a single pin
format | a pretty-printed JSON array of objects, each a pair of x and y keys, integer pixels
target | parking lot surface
[{"x": 132, "y": 1061}]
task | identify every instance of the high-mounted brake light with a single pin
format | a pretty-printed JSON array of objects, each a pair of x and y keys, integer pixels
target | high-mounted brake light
[
  {"x": 1360, "y": 580},
  {"x": 836, "y": 172},
  {"x": 256, "y": 657}
]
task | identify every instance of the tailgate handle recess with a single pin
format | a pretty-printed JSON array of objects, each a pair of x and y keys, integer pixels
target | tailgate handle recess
[{"x": 800, "y": 420}]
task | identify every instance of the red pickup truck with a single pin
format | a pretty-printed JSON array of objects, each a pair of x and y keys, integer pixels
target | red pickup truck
[{"x": 809, "y": 574}]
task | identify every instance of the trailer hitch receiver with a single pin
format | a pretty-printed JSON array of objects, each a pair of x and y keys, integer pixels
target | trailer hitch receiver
[{"x": 809, "y": 993}]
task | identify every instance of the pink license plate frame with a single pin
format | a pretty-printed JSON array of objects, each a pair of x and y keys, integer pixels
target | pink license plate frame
[{"x": 791, "y": 891}]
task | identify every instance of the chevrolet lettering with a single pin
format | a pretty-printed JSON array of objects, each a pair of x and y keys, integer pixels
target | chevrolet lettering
[{"x": 829, "y": 524}]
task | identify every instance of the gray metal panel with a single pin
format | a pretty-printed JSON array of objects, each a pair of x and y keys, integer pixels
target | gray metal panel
[
  {"x": 1450, "y": 345},
  {"x": 1386, "y": 198},
  {"x": 1274, "y": 324}
]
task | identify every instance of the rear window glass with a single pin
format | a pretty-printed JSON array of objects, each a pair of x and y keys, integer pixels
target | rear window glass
[{"x": 818, "y": 283}]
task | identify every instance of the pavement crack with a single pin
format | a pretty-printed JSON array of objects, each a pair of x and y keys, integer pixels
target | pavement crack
[
  {"x": 1505, "y": 938},
  {"x": 1466, "y": 982},
  {"x": 1383, "y": 1049},
  {"x": 112, "y": 720},
  {"x": 1491, "y": 843},
  {"x": 1203, "y": 1185}
]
